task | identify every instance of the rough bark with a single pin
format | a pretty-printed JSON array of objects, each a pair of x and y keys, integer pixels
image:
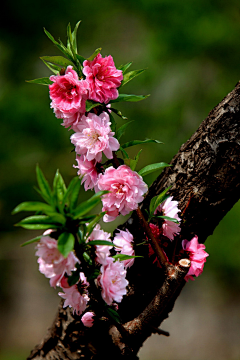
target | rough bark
[{"x": 205, "y": 179}]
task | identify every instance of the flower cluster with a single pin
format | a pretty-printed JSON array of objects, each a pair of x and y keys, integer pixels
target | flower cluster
[{"x": 111, "y": 279}]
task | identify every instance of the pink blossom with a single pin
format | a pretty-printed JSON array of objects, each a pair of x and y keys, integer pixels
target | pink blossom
[
  {"x": 113, "y": 282},
  {"x": 68, "y": 95},
  {"x": 88, "y": 172},
  {"x": 52, "y": 263},
  {"x": 124, "y": 242},
  {"x": 197, "y": 256},
  {"x": 103, "y": 78},
  {"x": 126, "y": 191},
  {"x": 70, "y": 120},
  {"x": 169, "y": 208},
  {"x": 94, "y": 136},
  {"x": 87, "y": 319},
  {"x": 102, "y": 251},
  {"x": 75, "y": 296}
]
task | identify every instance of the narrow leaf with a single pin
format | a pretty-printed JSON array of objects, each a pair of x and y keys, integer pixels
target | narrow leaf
[
  {"x": 41, "y": 81},
  {"x": 92, "y": 224},
  {"x": 118, "y": 112},
  {"x": 72, "y": 193},
  {"x": 120, "y": 132},
  {"x": 96, "y": 52},
  {"x": 65, "y": 243},
  {"x": 113, "y": 123},
  {"x": 156, "y": 201},
  {"x": 44, "y": 186},
  {"x": 80, "y": 58},
  {"x": 87, "y": 258},
  {"x": 139, "y": 142},
  {"x": 130, "y": 76},
  {"x": 88, "y": 205},
  {"x": 54, "y": 68},
  {"x": 58, "y": 60},
  {"x": 90, "y": 104},
  {"x": 124, "y": 67},
  {"x": 122, "y": 257},
  {"x": 128, "y": 97},
  {"x": 36, "y": 239},
  {"x": 100, "y": 242},
  {"x": 74, "y": 36},
  {"x": 113, "y": 315},
  {"x": 167, "y": 218},
  {"x": 32, "y": 206},
  {"x": 124, "y": 153},
  {"x": 59, "y": 189},
  {"x": 55, "y": 219},
  {"x": 151, "y": 168}
]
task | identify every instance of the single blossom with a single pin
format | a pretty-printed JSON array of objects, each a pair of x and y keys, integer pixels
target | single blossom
[
  {"x": 52, "y": 263},
  {"x": 68, "y": 95},
  {"x": 76, "y": 296},
  {"x": 126, "y": 191},
  {"x": 103, "y": 78},
  {"x": 94, "y": 137},
  {"x": 87, "y": 319},
  {"x": 70, "y": 120},
  {"x": 113, "y": 282},
  {"x": 102, "y": 251},
  {"x": 169, "y": 208},
  {"x": 88, "y": 172},
  {"x": 124, "y": 242},
  {"x": 197, "y": 256}
]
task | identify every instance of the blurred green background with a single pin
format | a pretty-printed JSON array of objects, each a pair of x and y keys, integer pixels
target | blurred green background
[{"x": 191, "y": 50}]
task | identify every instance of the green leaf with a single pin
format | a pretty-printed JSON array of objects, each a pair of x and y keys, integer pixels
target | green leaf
[
  {"x": 132, "y": 163},
  {"x": 58, "y": 60},
  {"x": 80, "y": 58},
  {"x": 32, "y": 206},
  {"x": 113, "y": 315},
  {"x": 122, "y": 257},
  {"x": 100, "y": 242},
  {"x": 118, "y": 112},
  {"x": 36, "y": 239},
  {"x": 167, "y": 218},
  {"x": 74, "y": 36},
  {"x": 39, "y": 222},
  {"x": 124, "y": 67},
  {"x": 87, "y": 258},
  {"x": 44, "y": 186},
  {"x": 54, "y": 68},
  {"x": 93, "y": 275},
  {"x": 96, "y": 52},
  {"x": 113, "y": 123},
  {"x": 156, "y": 201},
  {"x": 65, "y": 243},
  {"x": 41, "y": 81},
  {"x": 128, "y": 97},
  {"x": 74, "y": 278},
  {"x": 139, "y": 142},
  {"x": 59, "y": 189},
  {"x": 151, "y": 168},
  {"x": 92, "y": 224},
  {"x": 120, "y": 132},
  {"x": 131, "y": 75},
  {"x": 72, "y": 192},
  {"x": 124, "y": 153},
  {"x": 90, "y": 104},
  {"x": 88, "y": 205}
]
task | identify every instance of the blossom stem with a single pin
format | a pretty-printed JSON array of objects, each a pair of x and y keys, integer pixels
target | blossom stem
[
  {"x": 115, "y": 160},
  {"x": 159, "y": 253}
]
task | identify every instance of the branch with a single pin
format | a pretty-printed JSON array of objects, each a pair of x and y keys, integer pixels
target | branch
[{"x": 205, "y": 179}]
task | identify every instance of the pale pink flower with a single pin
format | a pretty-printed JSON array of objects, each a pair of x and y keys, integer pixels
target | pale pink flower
[
  {"x": 52, "y": 263},
  {"x": 103, "y": 78},
  {"x": 113, "y": 282},
  {"x": 94, "y": 136},
  {"x": 126, "y": 191},
  {"x": 76, "y": 296},
  {"x": 87, "y": 172},
  {"x": 68, "y": 95},
  {"x": 124, "y": 242},
  {"x": 102, "y": 251},
  {"x": 197, "y": 256},
  {"x": 169, "y": 208},
  {"x": 70, "y": 120},
  {"x": 87, "y": 319}
]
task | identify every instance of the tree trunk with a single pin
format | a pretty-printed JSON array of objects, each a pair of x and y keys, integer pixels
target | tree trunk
[{"x": 205, "y": 179}]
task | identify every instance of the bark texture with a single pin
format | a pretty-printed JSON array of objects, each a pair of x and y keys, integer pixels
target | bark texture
[{"x": 205, "y": 179}]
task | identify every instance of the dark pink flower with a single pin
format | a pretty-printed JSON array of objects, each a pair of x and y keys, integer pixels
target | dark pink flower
[
  {"x": 169, "y": 208},
  {"x": 87, "y": 172},
  {"x": 68, "y": 95},
  {"x": 113, "y": 282},
  {"x": 124, "y": 242},
  {"x": 126, "y": 191},
  {"x": 87, "y": 319},
  {"x": 103, "y": 78},
  {"x": 197, "y": 256},
  {"x": 94, "y": 137}
]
